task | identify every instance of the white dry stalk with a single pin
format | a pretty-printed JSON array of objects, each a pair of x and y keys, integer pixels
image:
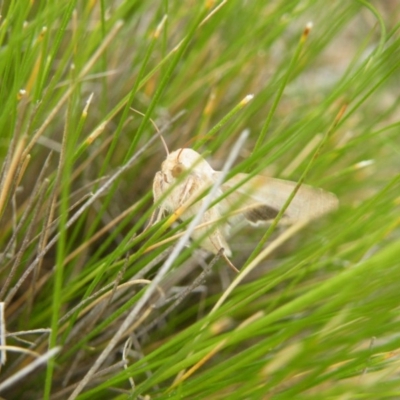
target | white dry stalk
[
  {"x": 126, "y": 349},
  {"x": 29, "y": 368}
]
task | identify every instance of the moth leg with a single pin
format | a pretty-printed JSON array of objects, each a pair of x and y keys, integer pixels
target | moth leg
[
  {"x": 228, "y": 261},
  {"x": 188, "y": 189},
  {"x": 156, "y": 216},
  {"x": 160, "y": 214}
]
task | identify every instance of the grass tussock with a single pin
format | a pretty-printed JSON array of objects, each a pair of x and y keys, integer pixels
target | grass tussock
[{"x": 93, "y": 305}]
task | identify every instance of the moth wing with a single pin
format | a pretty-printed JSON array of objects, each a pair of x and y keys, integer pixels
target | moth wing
[{"x": 261, "y": 198}]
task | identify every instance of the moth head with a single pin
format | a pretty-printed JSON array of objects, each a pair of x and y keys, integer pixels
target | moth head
[{"x": 181, "y": 161}]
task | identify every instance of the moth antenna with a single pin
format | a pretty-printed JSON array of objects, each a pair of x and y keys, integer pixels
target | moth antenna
[
  {"x": 179, "y": 154},
  {"x": 164, "y": 143},
  {"x": 156, "y": 128},
  {"x": 191, "y": 140}
]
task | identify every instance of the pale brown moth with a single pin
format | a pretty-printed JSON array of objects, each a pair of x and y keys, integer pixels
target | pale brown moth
[{"x": 185, "y": 174}]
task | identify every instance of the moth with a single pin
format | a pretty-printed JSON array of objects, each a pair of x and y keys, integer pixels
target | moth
[{"x": 185, "y": 175}]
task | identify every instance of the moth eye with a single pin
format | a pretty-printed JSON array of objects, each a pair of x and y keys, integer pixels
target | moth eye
[{"x": 177, "y": 170}]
